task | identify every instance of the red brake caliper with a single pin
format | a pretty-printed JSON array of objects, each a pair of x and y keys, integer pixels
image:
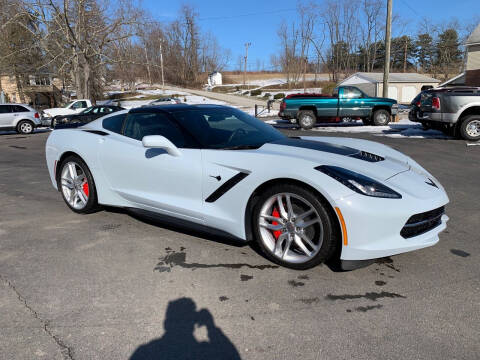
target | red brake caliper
[
  {"x": 85, "y": 188},
  {"x": 276, "y": 214}
]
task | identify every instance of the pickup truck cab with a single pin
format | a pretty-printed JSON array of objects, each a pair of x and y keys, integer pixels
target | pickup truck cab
[
  {"x": 73, "y": 107},
  {"x": 345, "y": 102},
  {"x": 455, "y": 111}
]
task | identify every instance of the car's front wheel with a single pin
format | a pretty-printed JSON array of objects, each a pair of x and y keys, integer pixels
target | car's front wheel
[
  {"x": 25, "y": 127},
  {"x": 381, "y": 117},
  {"x": 77, "y": 185},
  {"x": 293, "y": 227},
  {"x": 470, "y": 128}
]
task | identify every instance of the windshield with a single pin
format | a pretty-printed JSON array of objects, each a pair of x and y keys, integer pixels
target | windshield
[
  {"x": 68, "y": 104},
  {"x": 87, "y": 110},
  {"x": 226, "y": 128}
]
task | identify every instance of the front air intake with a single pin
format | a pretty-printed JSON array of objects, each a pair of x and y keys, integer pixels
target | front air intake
[{"x": 423, "y": 222}]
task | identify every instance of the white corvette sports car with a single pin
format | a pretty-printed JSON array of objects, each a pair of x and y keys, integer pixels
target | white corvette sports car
[{"x": 302, "y": 199}]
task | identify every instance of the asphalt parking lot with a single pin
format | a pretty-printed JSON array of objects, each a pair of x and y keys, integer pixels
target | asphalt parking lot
[{"x": 111, "y": 285}]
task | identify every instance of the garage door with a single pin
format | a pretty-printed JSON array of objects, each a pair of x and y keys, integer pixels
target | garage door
[
  {"x": 408, "y": 93},
  {"x": 393, "y": 92}
]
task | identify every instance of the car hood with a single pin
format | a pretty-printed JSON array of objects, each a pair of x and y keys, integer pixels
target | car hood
[
  {"x": 365, "y": 157},
  {"x": 59, "y": 110}
]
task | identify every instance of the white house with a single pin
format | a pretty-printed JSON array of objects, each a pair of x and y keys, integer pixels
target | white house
[
  {"x": 214, "y": 78},
  {"x": 402, "y": 87},
  {"x": 472, "y": 73}
]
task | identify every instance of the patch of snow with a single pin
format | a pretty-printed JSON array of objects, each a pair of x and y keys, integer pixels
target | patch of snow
[{"x": 402, "y": 129}]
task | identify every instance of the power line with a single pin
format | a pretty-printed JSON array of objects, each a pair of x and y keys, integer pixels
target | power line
[
  {"x": 245, "y": 15},
  {"x": 411, "y": 8}
]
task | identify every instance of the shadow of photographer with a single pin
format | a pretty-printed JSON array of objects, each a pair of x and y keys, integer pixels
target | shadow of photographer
[{"x": 178, "y": 341}]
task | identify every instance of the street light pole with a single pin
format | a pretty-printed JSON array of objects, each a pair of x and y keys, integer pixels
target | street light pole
[{"x": 386, "y": 70}]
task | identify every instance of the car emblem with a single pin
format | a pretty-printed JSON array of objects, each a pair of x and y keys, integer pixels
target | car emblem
[{"x": 431, "y": 183}]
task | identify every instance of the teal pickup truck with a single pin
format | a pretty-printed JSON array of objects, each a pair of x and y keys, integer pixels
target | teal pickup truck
[{"x": 346, "y": 102}]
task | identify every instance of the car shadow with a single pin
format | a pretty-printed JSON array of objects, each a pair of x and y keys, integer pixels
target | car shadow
[
  {"x": 181, "y": 226},
  {"x": 178, "y": 341},
  {"x": 17, "y": 135}
]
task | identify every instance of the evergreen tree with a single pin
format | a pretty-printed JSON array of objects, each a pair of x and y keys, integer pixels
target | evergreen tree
[{"x": 425, "y": 52}]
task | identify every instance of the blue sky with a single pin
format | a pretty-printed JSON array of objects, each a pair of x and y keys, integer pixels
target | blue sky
[{"x": 256, "y": 21}]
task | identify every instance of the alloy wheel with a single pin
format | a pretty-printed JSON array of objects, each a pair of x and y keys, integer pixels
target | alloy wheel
[
  {"x": 473, "y": 128},
  {"x": 26, "y": 127},
  {"x": 307, "y": 120},
  {"x": 74, "y": 184},
  {"x": 290, "y": 228}
]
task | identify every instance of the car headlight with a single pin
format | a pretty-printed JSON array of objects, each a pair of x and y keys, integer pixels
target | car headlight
[{"x": 359, "y": 183}]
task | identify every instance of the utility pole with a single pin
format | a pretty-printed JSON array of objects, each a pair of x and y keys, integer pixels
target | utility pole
[
  {"x": 305, "y": 60},
  {"x": 245, "y": 63},
  {"x": 161, "y": 66},
  {"x": 386, "y": 70}
]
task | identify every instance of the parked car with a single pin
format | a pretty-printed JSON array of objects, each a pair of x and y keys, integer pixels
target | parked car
[
  {"x": 219, "y": 167},
  {"x": 454, "y": 110},
  {"x": 73, "y": 107},
  {"x": 345, "y": 102},
  {"x": 87, "y": 115},
  {"x": 20, "y": 117},
  {"x": 165, "y": 101}
]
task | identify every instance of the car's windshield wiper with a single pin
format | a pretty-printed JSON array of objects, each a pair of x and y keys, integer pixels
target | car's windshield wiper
[{"x": 240, "y": 147}]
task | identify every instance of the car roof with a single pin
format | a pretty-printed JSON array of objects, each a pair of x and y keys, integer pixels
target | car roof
[{"x": 171, "y": 108}]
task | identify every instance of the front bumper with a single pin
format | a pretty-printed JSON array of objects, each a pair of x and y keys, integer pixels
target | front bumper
[{"x": 374, "y": 232}]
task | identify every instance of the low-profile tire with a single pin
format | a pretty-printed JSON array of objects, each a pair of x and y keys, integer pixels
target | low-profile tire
[
  {"x": 25, "y": 127},
  {"x": 381, "y": 117},
  {"x": 305, "y": 234},
  {"x": 306, "y": 119},
  {"x": 470, "y": 128},
  {"x": 76, "y": 184}
]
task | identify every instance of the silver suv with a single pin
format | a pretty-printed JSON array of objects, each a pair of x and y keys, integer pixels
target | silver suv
[{"x": 19, "y": 117}]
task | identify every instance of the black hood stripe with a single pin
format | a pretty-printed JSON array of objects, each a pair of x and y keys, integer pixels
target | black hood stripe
[{"x": 329, "y": 148}]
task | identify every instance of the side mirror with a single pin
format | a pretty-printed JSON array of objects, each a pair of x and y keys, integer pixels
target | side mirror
[{"x": 160, "y": 142}]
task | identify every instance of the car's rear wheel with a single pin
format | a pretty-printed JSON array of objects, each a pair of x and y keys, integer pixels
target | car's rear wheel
[
  {"x": 293, "y": 227},
  {"x": 25, "y": 127},
  {"x": 381, "y": 117},
  {"x": 470, "y": 128},
  {"x": 306, "y": 119},
  {"x": 77, "y": 185}
]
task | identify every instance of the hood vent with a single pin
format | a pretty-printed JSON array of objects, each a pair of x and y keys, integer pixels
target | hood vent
[{"x": 366, "y": 156}]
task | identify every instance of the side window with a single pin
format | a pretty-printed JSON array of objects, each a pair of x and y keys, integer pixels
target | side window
[
  {"x": 18, "y": 108},
  {"x": 139, "y": 125},
  {"x": 114, "y": 123},
  {"x": 96, "y": 110},
  {"x": 76, "y": 105},
  {"x": 4, "y": 109},
  {"x": 79, "y": 105},
  {"x": 351, "y": 93},
  {"x": 105, "y": 110}
]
